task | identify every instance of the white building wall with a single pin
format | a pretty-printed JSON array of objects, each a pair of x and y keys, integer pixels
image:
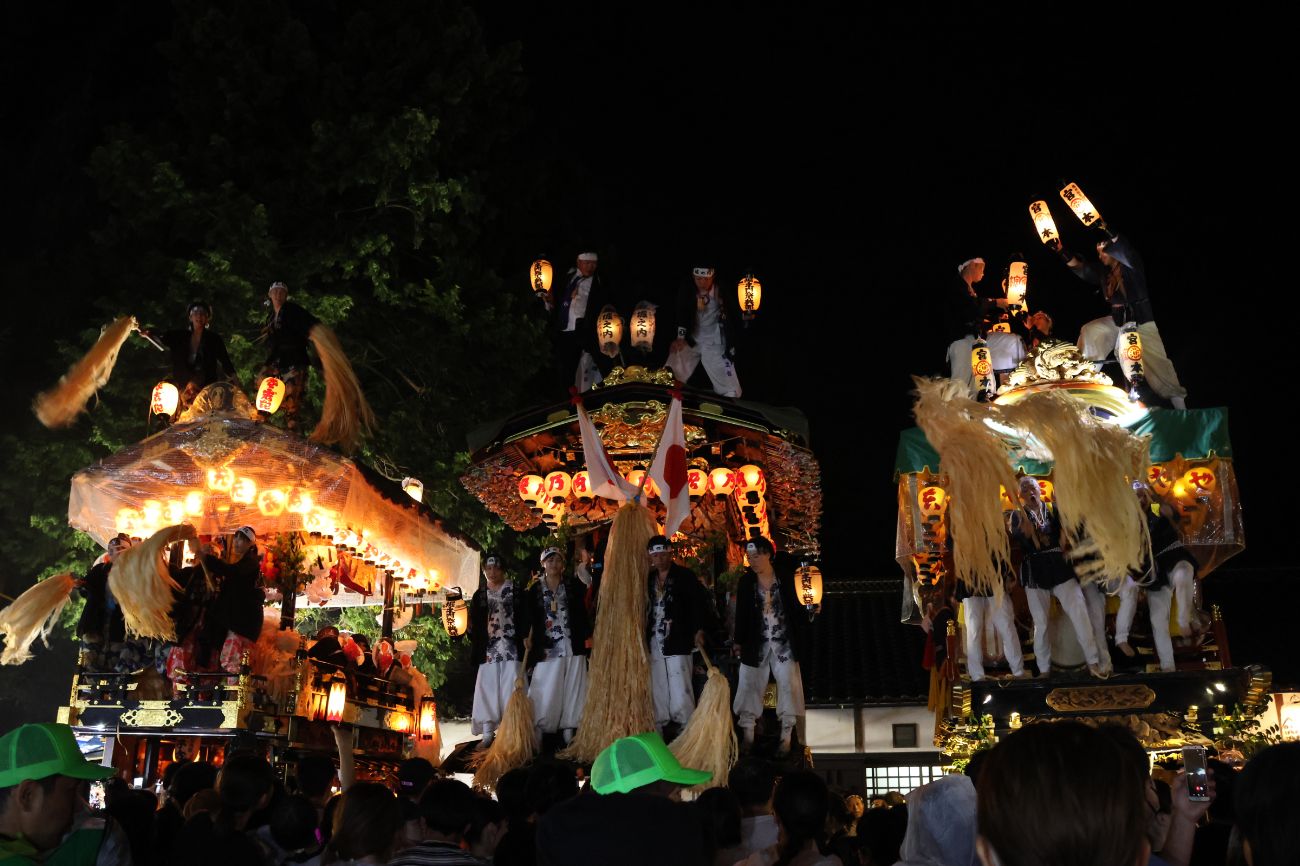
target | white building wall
[{"x": 835, "y": 730}]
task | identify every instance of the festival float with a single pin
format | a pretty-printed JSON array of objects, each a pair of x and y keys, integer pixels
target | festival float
[
  {"x": 1059, "y": 419},
  {"x": 331, "y": 532}
]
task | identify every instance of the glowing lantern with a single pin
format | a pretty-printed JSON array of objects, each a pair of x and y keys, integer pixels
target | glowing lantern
[
  {"x": 165, "y": 399},
  {"x": 697, "y": 483},
  {"x": 1158, "y": 478},
  {"x": 1017, "y": 283},
  {"x": 428, "y": 718},
  {"x": 637, "y": 477},
  {"x": 553, "y": 513},
  {"x": 540, "y": 275},
  {"x": 193, "y": 503},
  {"x": 319, "y": 520},
  {"x": 400, "y": 722},
  {"x": 1200, "y": 479},
  {"x": 174, "y": 512},
  {"x": 455, "y": 615},
  {"x": 1007, "y": 503},
  {"x": 643, "y": 326},
  {"x": 1129, "y": 354},
  {"x": 808, "y": 583},
  {"x": 609, "y": 330},
  {"x": 414, "y": 488},
  {"x": 1043, "y": 222},
  {"x": 338, "y": 699},
  {"x": 722, "y": 481},
  {"x": 933, "y": 500},
  {"x": 300, "y": 502},
  {"x": 981, "y": 365},
  {"x": 1078, "y": 202},
  {"x": 151, "y": 513},
  {"x": 582, "y": 485},
  {"x": 128, "y": 521},
  {"x": 221, "y": 480},
  {"x": 1046, "y": 489},
  {"x": 243, "y": 491},
  {"x": 530, "y": 489},
  {"x": 558, "y": 485},
  {"x": 749, "y": 291},
  {"x": 271, "y": 503},
  {"x": 750, "y": 477},
  {"x": 270, "y": 394}
]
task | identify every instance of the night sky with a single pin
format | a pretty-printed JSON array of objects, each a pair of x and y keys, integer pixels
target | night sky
[{"x": 852, "y": 164}]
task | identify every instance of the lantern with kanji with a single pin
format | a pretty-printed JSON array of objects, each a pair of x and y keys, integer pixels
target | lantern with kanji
[
  {"x": 414, "y": 488},
  {"x": 540, "y": 277},
  {"x": 981, "y": 365},
  {"x": 1047, "y": 490},
  {"x": 165, "y": 399},
  {"x": 697, "y": 483},
  {"x": 270, "y": 394},
  {"x": 581, "y": 487},
  {"x": 609, "y": 330},
  {"x": 808, "y": 584},
  {"x": 749, "y": 291},
  {"x": 428, "y": 718},
  {"x": 243, "y": 491},
  {"x": 1158, "y": 478},
  {"x": 271, "y": 503},
  {"x": 1044, "y": 225},
  {"x": 722, "y": 481},
  {"x": 337, "y": 700},
  {"x": 455, "y": 614},
  {"x": 933, "y": 501},
  {"x": 557, "y": 486},
  {"x": 221, "y": 480},
  {"x": 552, "y": 513},
  {"x": 1079, "y": 203},
  {"x": 1128, "y": 351},
  {"x": 531, "y": 489},
  {"x": 643, "y": 326},
  {"x": 750, "y": 478},
  {"x": 1017, "y": 283},
  {"x": 1200, "y": 480}
]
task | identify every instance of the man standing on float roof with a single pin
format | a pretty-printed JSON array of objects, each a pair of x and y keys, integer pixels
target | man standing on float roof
[
  {"x": 574, "y": 310},
  {"x": 286, "y": 332},
  {"x": 678, "y": 616},
  {"x": 704, "y": 335},
  {"x": 497, "y": 625},
  {"x": 558, "y": 647}
]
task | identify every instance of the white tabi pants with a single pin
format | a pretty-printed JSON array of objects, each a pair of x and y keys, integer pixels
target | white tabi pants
[
  {"x": 1095, "y": 599},
  {"x": 670, "y": 684},
  {"x": 748, "y": 704},
  {"x": 1183, "y": 577},
  {"x": 1128, "y": 601},
  {"x": 997, "y": 613},
  {"x": 1070, "y": 595},
  {"x": 1100, "y": 337},
  {"x": 492, "y": 689},
  {"x": 721, "y": 372},
  {"x": 1158, "y": 601},
  {"x": 558, "y": 690}
]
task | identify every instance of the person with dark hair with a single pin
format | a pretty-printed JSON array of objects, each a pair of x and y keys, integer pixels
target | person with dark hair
[
  {"x": 1062, "y": 793},
  {"x": 366, "y": 827},
  {"x": 488, "y": 827},
  {"x": 41, "y": 775},
  {"x": 753, "y": 781},
  {"x": 316, "y": 775},
  {"x": 770, "y": 636},
  {"x": 447, "y": 813},
  {"x": 293, "y": 832},
  {"x": 105, "y": 646},
  {"x": 558, "y": 654},
  {"x": 720, "y": 808},
  {"x": 133, "y": 809},
  {"x": 244, "y": 785},
  {"x": 800, "y": 806},
  {"x": 414, "y": 776},
  {"x": 840, "y": 840},
  {"x": 197, "y": 355},
  {"x": 1267, "y": 803},
  {"x": 705, "y": 334},
  {"x": 1160, "y": 804},
  {"x": 187, "y": 780},
  {"x": 679, "y": 613},
  {"x": 234, "y": 621},
  {"x": 518, "y": 846},
  {"x": 498, "y": 622},
  {"x": 327, "y": 648}
]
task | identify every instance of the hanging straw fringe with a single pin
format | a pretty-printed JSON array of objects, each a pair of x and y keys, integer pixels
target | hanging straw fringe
[
  {"x": 515, "y": 743},
  {"x": 31, "y": 616},
  {"x": 346, "y": 414},
  {"x": 60, "y": 406},
  {"x": 708, "y": 742},
  {"x": 1094, "y": 464},
  {"x": 974, "y": 457},
  {"x": 143, "y": 587},
  {"x": 618, "y": 693}
]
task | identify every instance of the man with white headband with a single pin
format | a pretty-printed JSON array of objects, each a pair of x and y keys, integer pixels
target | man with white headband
[
  {"x": 574, "y": 307},
  {"x": 558, "y": 650},
  {"x": 679, "y": 614},
  {"x": 102, "y": 627},
  {"x": 234, "y": 619},
  {"x": 497, "y": 625},
  {"x": 771, "y": 635},
  {"x": 968, "y": 314},
  {"x": 704, "y": 335}
]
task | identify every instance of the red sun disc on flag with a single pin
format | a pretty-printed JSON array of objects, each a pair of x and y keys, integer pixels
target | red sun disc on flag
[{"x": 675, "y": 469}]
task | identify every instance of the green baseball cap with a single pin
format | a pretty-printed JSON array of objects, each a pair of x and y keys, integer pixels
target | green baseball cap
[
  {"x": 39, "y": 751},
  {"x": 631, "y": 762}
]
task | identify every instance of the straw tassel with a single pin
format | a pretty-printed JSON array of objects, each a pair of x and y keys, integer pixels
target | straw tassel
[
  {"x": 515, "y": 743},
  {"x": 144, "y": 588},
  {"x": 708, "y": 742},
  {"x": 31, "y": 616},
  {"x": 618, "y": 693},
  {"x": 346, "y": 415},
  {"x": 60, "y": 406}
]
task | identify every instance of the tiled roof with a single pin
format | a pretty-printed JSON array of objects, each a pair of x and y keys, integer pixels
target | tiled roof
[{"x": 861, "y": 652}]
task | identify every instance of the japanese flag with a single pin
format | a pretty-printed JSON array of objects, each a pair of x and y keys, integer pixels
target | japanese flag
[
  {"x": 669, "y": 469},
  {"x": 605, "y": 479}
]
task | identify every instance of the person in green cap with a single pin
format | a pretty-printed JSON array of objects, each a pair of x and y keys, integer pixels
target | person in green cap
[
  {"x": 41, "y": 771},
  {"x": 636, "y": 820}
]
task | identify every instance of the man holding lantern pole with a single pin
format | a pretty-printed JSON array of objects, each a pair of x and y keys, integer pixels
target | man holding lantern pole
[{"x": 705, "y": 337}]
